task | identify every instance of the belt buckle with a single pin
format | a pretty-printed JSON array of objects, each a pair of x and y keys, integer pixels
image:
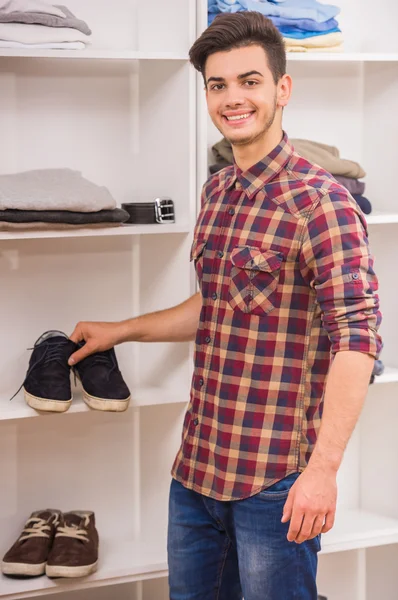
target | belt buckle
[{"x": 164, "y": 210}]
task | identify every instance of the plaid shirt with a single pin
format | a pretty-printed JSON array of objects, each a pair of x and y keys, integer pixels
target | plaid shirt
[{"x": 283, "y": 263}]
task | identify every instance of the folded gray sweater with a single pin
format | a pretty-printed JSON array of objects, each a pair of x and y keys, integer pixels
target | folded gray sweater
[
  {"x": 40, "y": 18},
  {"x": 53, "y": 189}
]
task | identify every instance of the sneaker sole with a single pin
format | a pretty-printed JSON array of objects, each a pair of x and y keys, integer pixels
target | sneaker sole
[
  {"x": 46, "y": 404},
  {"x": 106, "y": 404},
  {"x": 26, "y": 569},
  {"x": 62, "y": 571}
]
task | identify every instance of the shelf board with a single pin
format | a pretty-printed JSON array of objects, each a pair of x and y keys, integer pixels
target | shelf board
[
  {"x": 342, "y": 57},
  {"x": 356, "y": 529},
  {"x": 97, "y": 232},
  {"x": 380, "y": 218},
  {"x": 96, "y": 54},
  {"x": 119, "y": 562},
  {"x": 122, "y": 562},
  {"x": 390, "y": 375},
  {"x": 18, "y": 409}
]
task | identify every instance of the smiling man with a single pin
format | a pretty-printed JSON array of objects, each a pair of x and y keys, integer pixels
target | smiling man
[{"x": 286, "y": 333}]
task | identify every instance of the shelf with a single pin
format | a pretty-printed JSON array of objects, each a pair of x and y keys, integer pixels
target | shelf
[
  {"x": 18, "y": 409},
  {"x": 98, "y": 232},
  {"x": 342, "y": 57},
  {"x": 356, "y": 529},
  {"x": 91, "y": 54},
  {"x": 379, "y": 218},
  {"x": 390, "y": 375},
  {"x": 120, "y": 562}
]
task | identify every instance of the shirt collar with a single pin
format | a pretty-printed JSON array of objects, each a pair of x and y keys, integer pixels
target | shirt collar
[{"x": 253, "y": 179}]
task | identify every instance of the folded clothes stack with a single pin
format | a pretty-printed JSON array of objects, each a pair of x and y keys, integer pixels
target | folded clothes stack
[
  {"x": 306, "y": 25},
  {"x": 347, "y": 172},
  {"x": 38, "y": 24},
  {"x": 55, "y": 199}
]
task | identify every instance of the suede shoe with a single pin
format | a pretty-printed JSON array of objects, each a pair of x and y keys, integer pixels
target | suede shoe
[
  {"x": 103, "y": 385},
  {"x": 47, "y": 382},
  {"x": 75, "y": 548},
  {"x": 28, "y": 555}
]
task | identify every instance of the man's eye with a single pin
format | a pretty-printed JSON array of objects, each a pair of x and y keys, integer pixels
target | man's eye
[
  {"x": 217, "y": 87},
  {"x": 251, "y": 83}
]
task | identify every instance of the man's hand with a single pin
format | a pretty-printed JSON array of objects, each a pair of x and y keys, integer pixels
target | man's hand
[
  {"x": 98, "y": 337},
  {"x": 311, "y": 504}
]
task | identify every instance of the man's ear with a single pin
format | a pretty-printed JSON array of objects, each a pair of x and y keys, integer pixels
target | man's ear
[{"x": 284, "y": 90}]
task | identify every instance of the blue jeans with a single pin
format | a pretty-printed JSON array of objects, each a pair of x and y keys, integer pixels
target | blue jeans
[{"x": 230, "y": 550}]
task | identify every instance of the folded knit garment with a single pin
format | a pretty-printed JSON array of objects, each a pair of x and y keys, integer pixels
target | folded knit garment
[
  {"x": 41, "y": 226},
  {"x": 51, "y": 46},
  {"x": 289, "y": 9},
  {"x": 39, "y": 18},
  {"x": 115, "y": 216},
  {"x": 39, "y": 6},
  {"x": 40, "y": 34},
  {"x": 318, "y": 42},
  {"x": 53, "y": 189},
  {"x": 354, "y": 186},
  {"x": 324, "y": 155}
]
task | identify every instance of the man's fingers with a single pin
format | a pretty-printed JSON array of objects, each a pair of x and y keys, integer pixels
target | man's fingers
[
  {"x": 305, "y": 530},
  {"x": 295, "y": 525},
  {"x": 77, "y": 335},
  {"x": 82, "y": 353},
  {"x": 329, "y": 522},
  {"x": 317, "y": 527},
  {"x": 287, "y": 509}
]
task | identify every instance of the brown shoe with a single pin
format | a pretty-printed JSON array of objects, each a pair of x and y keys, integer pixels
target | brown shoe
[
  {"x": 75, "y": 548},
  {"x": 28, "y": 556}
]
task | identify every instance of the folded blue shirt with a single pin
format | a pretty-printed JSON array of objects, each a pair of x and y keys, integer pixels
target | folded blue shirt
[
  {"x": 300, "y": 24},
  {"x": 290, "y": 9},
  {"x": 302, "y": 35}
]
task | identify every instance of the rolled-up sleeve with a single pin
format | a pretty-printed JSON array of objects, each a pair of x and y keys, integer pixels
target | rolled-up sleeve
[{"x": 336, "y": 262}]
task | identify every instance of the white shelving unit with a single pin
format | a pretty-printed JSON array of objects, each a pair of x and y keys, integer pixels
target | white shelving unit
[{"x": 130, "y": 113}]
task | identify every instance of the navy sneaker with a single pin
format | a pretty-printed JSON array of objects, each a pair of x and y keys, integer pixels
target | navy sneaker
[
  {"x": 103, "y": 385},
  {"x": 47, "y": 382}
]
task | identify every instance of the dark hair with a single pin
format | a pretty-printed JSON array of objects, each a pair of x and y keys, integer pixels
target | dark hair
[{"x": 237, "y": 30}]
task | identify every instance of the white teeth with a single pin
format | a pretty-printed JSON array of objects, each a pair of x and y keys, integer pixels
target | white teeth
[{"x": 237, "y": 117}]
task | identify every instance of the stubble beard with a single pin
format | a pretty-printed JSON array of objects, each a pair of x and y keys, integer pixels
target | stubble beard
[{"x": 244, "y": 141}]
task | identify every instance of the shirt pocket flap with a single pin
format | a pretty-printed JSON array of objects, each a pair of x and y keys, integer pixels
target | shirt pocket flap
[
  {"x": 256, "y": 259},
  {"x": 197, "y": 249}
]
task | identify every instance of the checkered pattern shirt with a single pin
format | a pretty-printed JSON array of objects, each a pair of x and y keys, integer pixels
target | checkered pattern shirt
[{"x": 282, "y": 259}]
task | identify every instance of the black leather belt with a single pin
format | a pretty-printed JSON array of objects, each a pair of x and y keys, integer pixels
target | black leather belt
[{"x": 160, "y": 211}]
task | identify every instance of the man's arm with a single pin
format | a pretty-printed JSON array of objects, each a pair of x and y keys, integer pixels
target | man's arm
[
  {"x": 176, "y": 324},
  {"x": 311, "y": 506},
  {"x": 335, "y": 262}
]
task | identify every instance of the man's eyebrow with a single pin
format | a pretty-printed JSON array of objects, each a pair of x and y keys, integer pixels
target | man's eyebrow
[
  {"x": 244, "y": 75},
  {"x": 241, "y": 76}
]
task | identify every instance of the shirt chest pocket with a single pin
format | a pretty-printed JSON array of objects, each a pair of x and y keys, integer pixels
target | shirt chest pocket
[{"x": 254, "y": 279}]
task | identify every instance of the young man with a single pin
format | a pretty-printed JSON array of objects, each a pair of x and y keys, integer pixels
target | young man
[{"x": 288, "y": 297}]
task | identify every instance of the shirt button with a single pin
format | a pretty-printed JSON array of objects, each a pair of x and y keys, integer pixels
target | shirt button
[
  {"x": 220, "y": 254},
  {"x": 214, "y": 296},
  {"x": 355, "y": 275},
  {"x": 231, "y": 211},
  {"x": 195, "y": 422},
  {"x": 207, "y": 339},
  {"x": 201, "y": 381}
]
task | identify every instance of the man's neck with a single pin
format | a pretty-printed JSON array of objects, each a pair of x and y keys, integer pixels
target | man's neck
[{"x": 250, "y": 154}]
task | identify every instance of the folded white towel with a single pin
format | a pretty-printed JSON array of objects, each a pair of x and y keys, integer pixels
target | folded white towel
[
  {"x": 50, "y": 46},
  {"x": 40, "y": 34},
  {"x": 8, "y": 6},
  {"x": 53, "y": 189}
]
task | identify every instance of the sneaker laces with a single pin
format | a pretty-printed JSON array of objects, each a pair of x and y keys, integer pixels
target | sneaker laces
[
  {"x": 52, "y": 352},
  {"x": 35, "y": 527},
  {"x": 73, "y": 531}
]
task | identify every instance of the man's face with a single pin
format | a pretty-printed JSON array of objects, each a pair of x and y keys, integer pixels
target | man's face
[{"x": 241, "y": 93}]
